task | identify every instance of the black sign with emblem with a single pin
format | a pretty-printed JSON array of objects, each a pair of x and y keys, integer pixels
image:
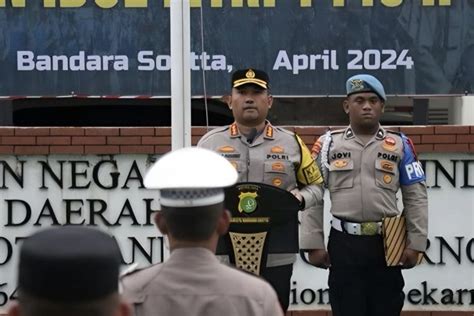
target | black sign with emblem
[{"x": 258, "y": 207}]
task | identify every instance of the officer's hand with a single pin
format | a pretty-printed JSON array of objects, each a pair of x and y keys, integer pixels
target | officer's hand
[
  {"x": 409, "y": 258},
  {"x": 319, "y": 258}
]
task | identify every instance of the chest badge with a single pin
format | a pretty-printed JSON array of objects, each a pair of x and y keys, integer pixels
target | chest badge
[
  {"x": 387, "y": 179},
  {"x": 247, "y": 202},
  {"x": 277, "y": 150},
  {"x": 387, "y": 165},
  {"x": 277, "y": 182},
  {"x": 341, "y": 163},
  {"x": 226, "y": 149},
  {"x": 278, "y": 166},
  {"x": 389, "y": 144}
]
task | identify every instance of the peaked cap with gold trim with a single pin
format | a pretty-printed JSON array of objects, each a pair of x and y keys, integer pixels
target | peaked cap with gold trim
[{"x": 250, "y": 76}]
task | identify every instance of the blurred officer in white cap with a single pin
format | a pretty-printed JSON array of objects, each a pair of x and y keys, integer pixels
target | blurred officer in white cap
[
  {"x": 69, "y": 271},
  {"x": 193, "y": 281}
]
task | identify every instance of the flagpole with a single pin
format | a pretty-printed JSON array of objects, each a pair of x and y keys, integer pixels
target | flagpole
[{"x": 180, "y": 36}]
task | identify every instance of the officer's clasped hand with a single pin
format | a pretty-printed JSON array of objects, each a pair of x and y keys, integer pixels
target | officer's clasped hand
[{"x": 319, "y": 258}]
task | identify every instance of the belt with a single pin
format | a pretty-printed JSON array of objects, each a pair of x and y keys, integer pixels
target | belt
[{"x": 361, "y": 229}]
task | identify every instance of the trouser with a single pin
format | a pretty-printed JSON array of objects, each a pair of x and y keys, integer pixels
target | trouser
[
  {"x": 279, "y": 278},
  {"x": 360, "y": 283}
]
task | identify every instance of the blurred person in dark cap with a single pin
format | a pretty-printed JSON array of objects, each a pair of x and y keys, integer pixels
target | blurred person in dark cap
[
  {"x": 192, "y": 216},
  {"x": 263, "y": 153},
  {"x": 69, "y": 271},
  {"x": 363, "y": 166}
]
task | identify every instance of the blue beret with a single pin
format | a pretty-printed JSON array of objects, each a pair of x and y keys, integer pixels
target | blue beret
[
  {"x": 69, "y": 264},
  {"x": 365, "y": 83}
]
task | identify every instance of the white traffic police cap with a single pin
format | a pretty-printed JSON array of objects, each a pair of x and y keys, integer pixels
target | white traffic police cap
[{"x": 191, "y": 177}]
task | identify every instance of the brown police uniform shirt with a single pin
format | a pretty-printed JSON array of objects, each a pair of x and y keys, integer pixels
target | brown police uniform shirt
[
  {"x": 276, "y": 157},
  {"x": 193, "y": 282},
  {"x": 363, "y": 180}
]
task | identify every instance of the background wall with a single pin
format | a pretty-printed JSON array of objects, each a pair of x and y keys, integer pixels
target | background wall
[{"x": 150, "y": 140}]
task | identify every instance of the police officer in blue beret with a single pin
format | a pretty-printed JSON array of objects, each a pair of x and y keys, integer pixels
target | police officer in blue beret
[
  {"x": 69, "y": 271},
  {"x": 363, "y": 166}
]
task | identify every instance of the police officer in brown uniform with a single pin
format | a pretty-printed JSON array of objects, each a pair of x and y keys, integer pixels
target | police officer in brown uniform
[
  {"x": 192, "y": 281},
  {"x": 266, "y": 154},
  {"x": 69, "y": 271},
  {"x": 363, "y": 167}
]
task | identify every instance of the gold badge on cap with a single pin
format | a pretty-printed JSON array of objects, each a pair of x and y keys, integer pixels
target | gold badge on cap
[
  {"x": 357, "y": 84},
  {"x": 250, "y": 74},
  {"x": 387, "y": 179}
]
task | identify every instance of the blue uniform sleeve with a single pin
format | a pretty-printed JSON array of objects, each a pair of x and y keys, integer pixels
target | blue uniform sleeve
[{"x": 410, "y": 168}]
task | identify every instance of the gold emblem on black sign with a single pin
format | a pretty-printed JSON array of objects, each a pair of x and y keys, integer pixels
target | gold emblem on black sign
[{"x": 247, "y": 202}]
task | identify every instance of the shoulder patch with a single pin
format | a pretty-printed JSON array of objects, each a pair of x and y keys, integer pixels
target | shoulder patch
[
  {"x": 412, "y": 147},
  {"x": 308, "y": 171},
  {"x": 411, "y": 170}
]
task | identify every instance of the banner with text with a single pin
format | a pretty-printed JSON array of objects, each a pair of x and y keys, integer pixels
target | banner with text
[
  {"x": 309, "y": 48},
  {"x": 107, "y": 192}
]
